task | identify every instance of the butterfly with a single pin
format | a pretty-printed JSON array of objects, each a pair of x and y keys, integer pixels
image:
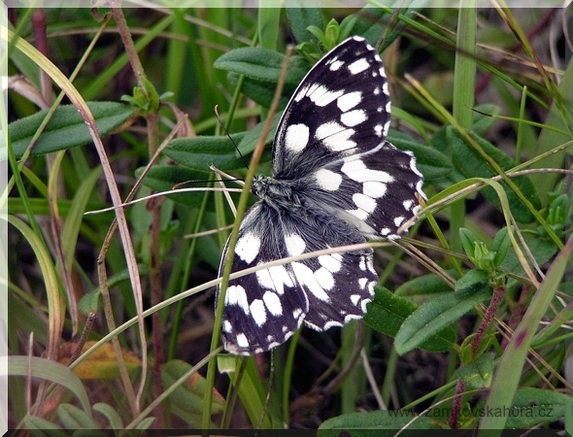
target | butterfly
[{"x": 335, "y": 181}]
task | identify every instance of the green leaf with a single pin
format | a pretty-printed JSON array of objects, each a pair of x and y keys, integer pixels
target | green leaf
[
  {"x": 300, "y": 17},
  {"x": 89, "y": 302},
  {"x": 249, "y": 141},
  {"x": 66, "y": 128},
  {"x": 367, "y": 23},
  {"x": 440, "y": 143},
  {"x": 483, "y": 118},
  {"x": 423, "y": 288},
  {"x": 472, "y": 164},
  {"x": 373, "y": 424},
  {"x": 198, "y": 153},
  {"x": 110, "y": 414},
  {"x": 188, "y": 398},
  {"x": 262, "y": 92},
  {"x": 165, "y": 177},
  {"x": 432, "y": 163},
  {"x": 541, "y": 249},
  {"x": 469, "y": 241},
  {"x": 479, "y": 373},
  {"x": 477, "y": 251},
  {"x": 74, "y": 418},
  {"x": 471, "y": 281},
  {"x": 501, "y": 245},
  {"x": 42, "y": 427},
  {"x": 387, "y": 312},
  {"x": 262, "y": 64},
  {"x": 435, "y": 316},
  {"x": 51, "y": 371}
]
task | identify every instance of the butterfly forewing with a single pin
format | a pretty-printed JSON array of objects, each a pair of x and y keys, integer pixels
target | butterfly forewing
[
  {"x": 335, "y": 181},
  {"x": 341, "y": 108}
]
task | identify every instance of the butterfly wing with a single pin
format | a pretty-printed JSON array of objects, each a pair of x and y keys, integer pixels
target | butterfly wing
[
  {"x": 332, "y": 137},
  {"x": 341, "y": 108},
  {"x": 375, "y": 191},
  {"x": 336, "y": 181},
  {"x": 265, "y": 308},
  {"x": 262, "y": 309}
]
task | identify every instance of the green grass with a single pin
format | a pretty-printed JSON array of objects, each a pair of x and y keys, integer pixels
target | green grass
[{"x": 472, "y": 312}]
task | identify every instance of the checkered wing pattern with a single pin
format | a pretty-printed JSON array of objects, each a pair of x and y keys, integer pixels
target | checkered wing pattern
[{"x": 335, "y": 181}]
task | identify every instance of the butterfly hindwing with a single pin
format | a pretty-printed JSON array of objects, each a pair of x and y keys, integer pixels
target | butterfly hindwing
[
  {"x": 376, "y": 191},
  {"x": 264, "y": 309}
]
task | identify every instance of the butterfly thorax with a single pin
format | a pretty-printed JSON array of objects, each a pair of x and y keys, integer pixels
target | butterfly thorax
[{"x": 276, "y": 193}]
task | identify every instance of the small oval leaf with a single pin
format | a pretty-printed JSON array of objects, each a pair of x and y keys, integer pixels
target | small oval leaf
[
  {"x": 435, "y": 316},
  {"x": 262, "y": 64},
  {"x": 66, "y": 128},
  {"x": 198, "y": 153},
  {"x": 387, "y": 312}
]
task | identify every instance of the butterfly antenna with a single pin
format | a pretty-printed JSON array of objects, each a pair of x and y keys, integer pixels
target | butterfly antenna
[{"x": 220, "y": 120}]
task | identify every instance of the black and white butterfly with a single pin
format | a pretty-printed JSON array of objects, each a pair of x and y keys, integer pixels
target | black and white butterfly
[{"x": 335, "y": 181}]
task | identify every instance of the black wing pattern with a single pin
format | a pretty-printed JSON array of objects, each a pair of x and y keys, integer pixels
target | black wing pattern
[{"x": 336, "y": 181}]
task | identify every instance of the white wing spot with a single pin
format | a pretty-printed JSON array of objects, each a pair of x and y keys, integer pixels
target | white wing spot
[
  {"x": 274, "y": 278},
  {"x": 306, "y": 277},
  {"x": 236, "y": 295},
  {"x": 332, "y": 263},
  {"x": 365, "y": 302},
  {"x": 335, "y": 65},
  {"x": 247, "y": 247},
  {"x": 379, "y": 130},
  {"x": 362, "y": 282},
  {"x": 408, "y": 204},
  {"x": 333, "y": 323},
  {"x": 301, "y": 93},
  {"x": 335, "y": 136},
  {"x": 353, "y": 118},
  {"x": 273, "y": 303},
  {"x": 364, "y": 202},
  {"x": 324, "y": 278},
  {"x": 322, "y": 96},
  {"x": 355, "y": 298},
  {"x": 295, "y": 244},
  {"x": 374, "y": 189},
  {"x": 227, "y": 327},
  {"x": 356, "y": 170},
  {"x": 350, "y": 317},
  {"x": 358, "y": 66},
  {"x": 370, "y": 264},
  {"x": 415, "y": 169},
  {"x": 399, "y": 220},
  {"x": 296, "y": 137},
  {"x": 242, "y": 340},
  {"x": 385, "y": 87},
  {"x": 327, "y": 179},
  {"x": 360, "y": 214},
  {"x": 349, "y": 100},
  {"x": 258, "y": 312}
]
